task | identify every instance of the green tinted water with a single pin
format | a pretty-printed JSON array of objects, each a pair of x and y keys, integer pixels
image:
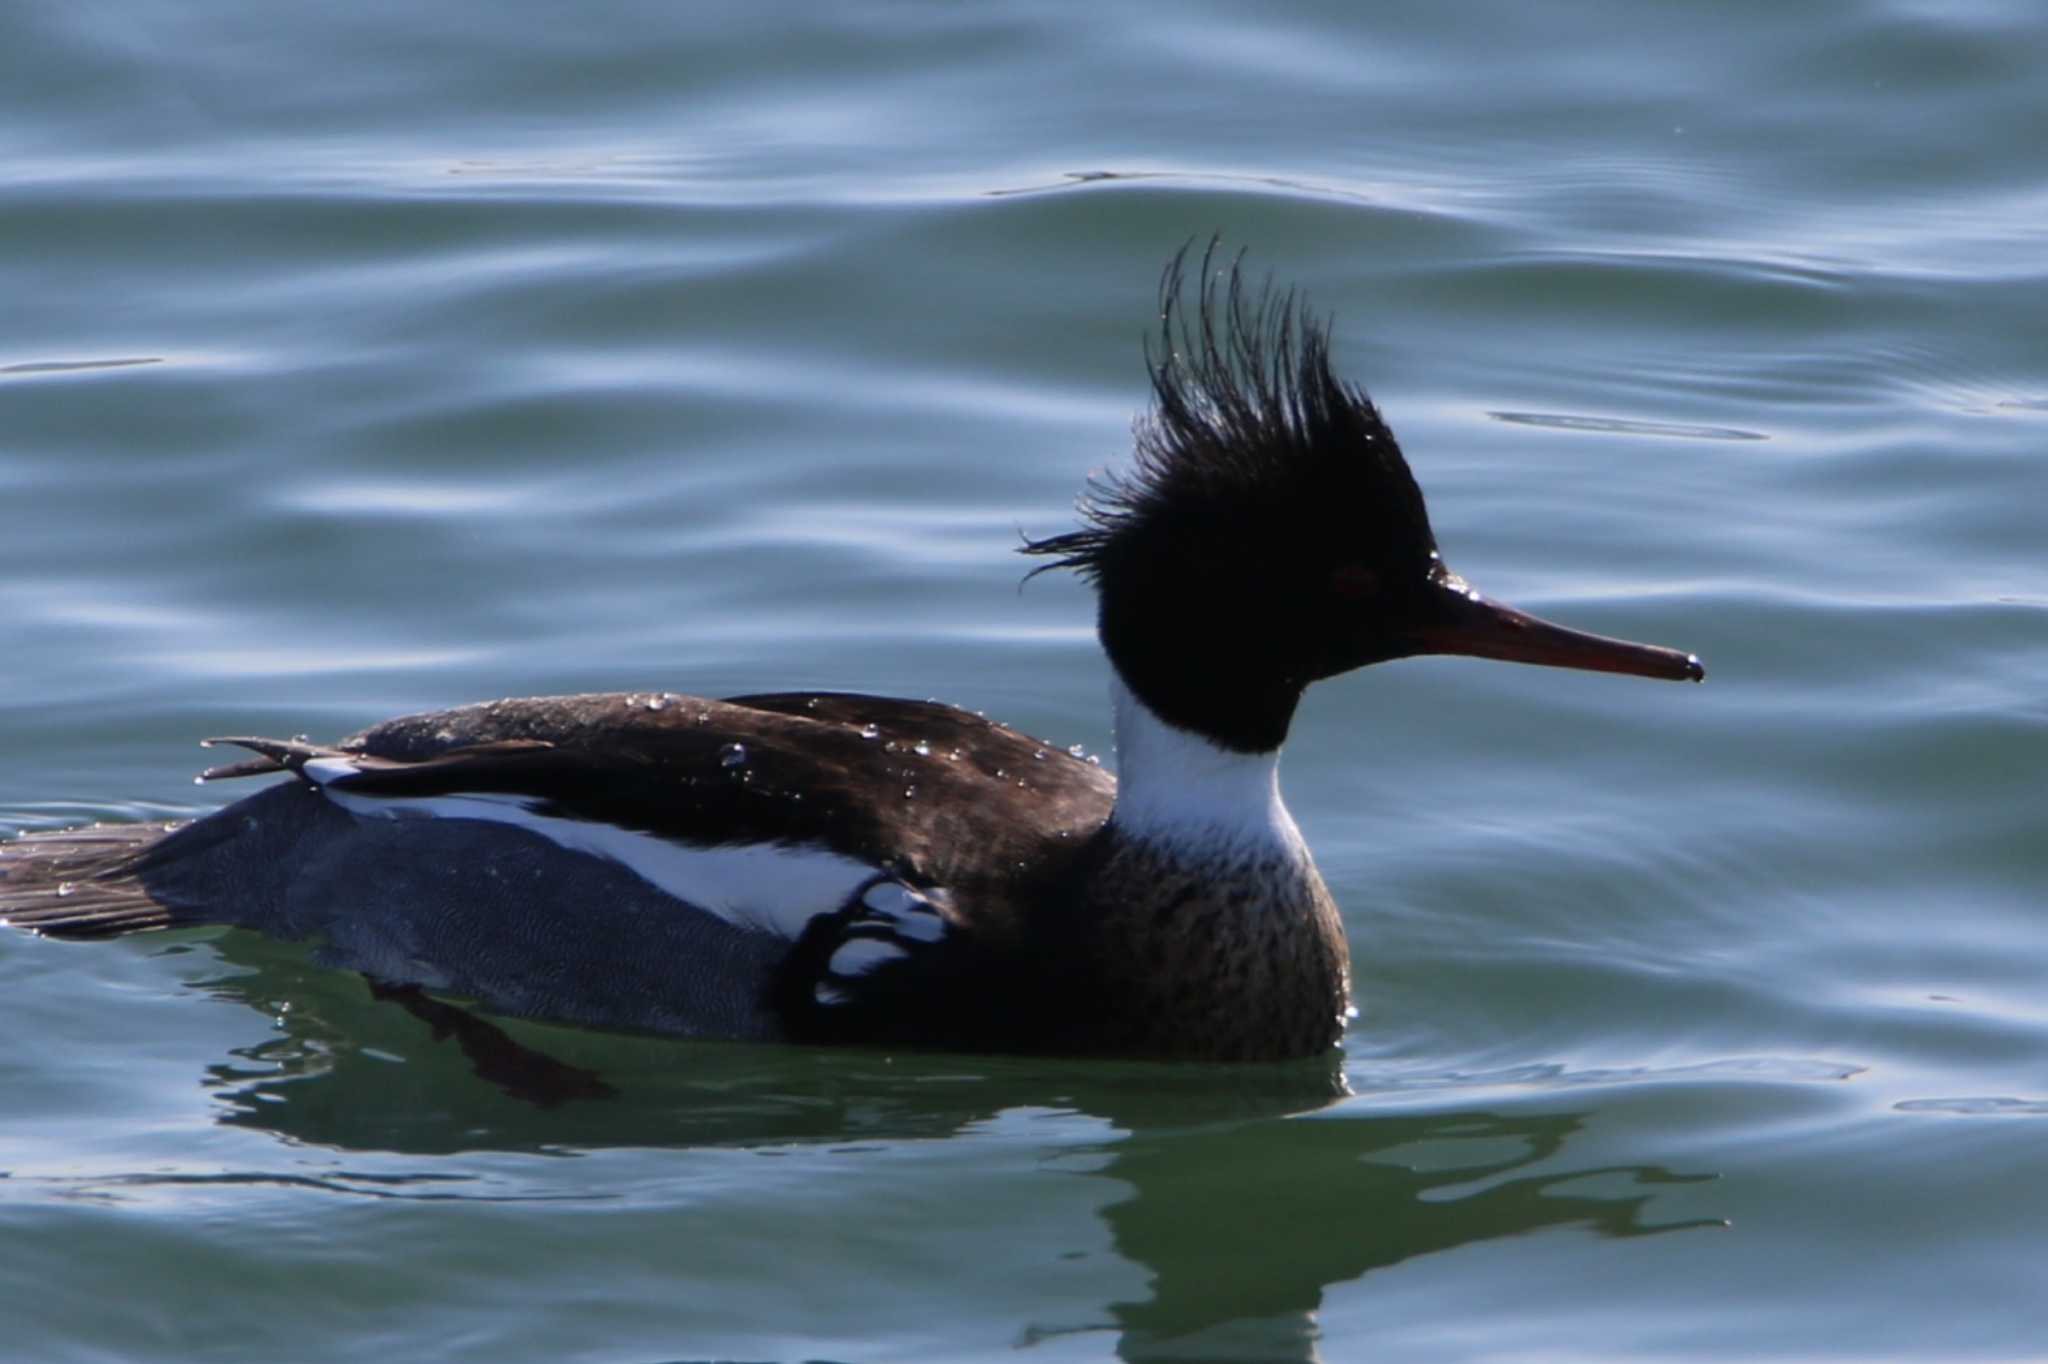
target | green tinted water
[{"x": 362, "y": 360}]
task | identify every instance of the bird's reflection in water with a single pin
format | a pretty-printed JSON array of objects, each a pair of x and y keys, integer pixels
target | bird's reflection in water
[
  {"x": 1256, "y": 1219},
  {"x": 1246, "y": 1191}
]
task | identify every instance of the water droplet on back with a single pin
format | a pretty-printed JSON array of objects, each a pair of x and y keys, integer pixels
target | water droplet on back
[{"x": 732, "y": 755}]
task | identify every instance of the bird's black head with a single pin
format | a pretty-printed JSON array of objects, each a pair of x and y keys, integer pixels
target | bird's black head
[{"x": 1269, "y": 533}]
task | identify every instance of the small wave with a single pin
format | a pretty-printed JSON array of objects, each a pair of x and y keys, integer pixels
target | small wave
[
  {"x": 73, "y": 366},
  {"x": 1553, "y": 1075},
  {"x": 1976, "y": 1107},
  {"x": 1617, "y": 426}
]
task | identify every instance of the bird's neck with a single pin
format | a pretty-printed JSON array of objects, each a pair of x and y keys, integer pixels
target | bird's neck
[{"x": 1179, "y": 789}]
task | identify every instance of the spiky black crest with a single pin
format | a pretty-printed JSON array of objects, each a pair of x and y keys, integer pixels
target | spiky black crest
[{"x": 1246, "y": 414}]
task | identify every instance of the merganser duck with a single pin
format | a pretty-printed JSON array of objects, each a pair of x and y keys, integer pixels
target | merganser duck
[{"x": 833, "y": 867}]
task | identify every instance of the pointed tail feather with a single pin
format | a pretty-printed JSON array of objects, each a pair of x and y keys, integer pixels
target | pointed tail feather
[{"x": 82, "y": 883}]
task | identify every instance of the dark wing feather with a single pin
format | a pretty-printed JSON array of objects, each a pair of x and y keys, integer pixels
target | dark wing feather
[{"x": 830, "y": 769}]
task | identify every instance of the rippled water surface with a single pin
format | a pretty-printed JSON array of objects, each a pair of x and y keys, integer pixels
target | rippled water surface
[{"x": 357, "y": 359}]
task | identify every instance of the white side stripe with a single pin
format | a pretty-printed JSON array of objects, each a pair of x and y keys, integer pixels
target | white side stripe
[
  {"x": 858, "y": 956},
  {"x": 768, "y": 887},
  {"x": 908, "y": 913}
]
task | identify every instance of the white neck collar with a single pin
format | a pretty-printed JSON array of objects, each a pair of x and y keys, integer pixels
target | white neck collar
[{"x": 1174, "y": 786}]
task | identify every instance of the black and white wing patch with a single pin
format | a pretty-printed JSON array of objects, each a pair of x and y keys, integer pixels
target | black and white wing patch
[
  {"x": 887, "y": 923},
  {"x": 842, "y": 930},
  {"x": 846, "y": 918}
]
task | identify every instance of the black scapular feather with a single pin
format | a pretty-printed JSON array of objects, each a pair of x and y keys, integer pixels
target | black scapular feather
[{"x": 1246, "y": 413}]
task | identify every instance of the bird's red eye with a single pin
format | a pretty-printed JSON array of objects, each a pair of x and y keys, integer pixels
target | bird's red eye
[{"x": 1355, "y": 581}]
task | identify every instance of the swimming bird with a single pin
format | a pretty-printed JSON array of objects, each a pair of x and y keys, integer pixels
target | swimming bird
[{"x": 832, "y": 867}]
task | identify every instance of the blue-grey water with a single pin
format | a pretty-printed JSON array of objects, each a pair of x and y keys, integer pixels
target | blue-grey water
[{"x": 364, "y": 358}]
